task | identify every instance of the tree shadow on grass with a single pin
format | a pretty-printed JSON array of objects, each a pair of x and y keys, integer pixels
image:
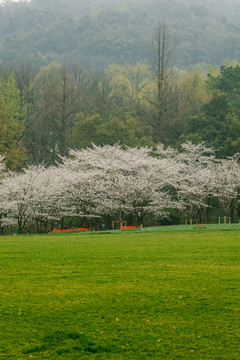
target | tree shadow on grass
[{"x": 65, "y": 342}]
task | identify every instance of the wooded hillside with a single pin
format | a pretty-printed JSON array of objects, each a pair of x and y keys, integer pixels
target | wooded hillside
[{"x": 101, "y": 32}]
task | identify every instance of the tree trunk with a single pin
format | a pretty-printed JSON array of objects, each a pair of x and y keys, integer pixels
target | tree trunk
[
  {"x": 109, "y": 221},
  {"x": 130, "y": 219},
  {"x": 62, "y": 223},
  {"x": 162, "y": 71},
  {"x": 232, "y": 210}
]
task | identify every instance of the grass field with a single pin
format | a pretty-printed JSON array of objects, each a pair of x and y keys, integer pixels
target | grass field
[{"x": 152, "y": 295}]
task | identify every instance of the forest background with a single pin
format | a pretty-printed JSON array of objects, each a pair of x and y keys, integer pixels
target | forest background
[{"x": 137, "y": 73}]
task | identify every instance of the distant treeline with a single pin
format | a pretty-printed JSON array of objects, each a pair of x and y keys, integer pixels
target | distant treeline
[
  {"x": 99, "y": 33},
  {"x": 45, "y": 112}
]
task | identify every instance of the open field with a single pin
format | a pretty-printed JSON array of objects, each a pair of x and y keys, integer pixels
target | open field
[{"x": 152, "y": 295}]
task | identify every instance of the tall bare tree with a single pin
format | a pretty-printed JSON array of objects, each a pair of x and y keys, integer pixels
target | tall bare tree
[
  {"x": 162, "y": 99},
  {"x": 57, "y": 100}
]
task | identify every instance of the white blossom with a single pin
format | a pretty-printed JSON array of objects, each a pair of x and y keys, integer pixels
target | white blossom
[
  {"x": 109, "y": 180},
  {"x": 226, "y": 181}
]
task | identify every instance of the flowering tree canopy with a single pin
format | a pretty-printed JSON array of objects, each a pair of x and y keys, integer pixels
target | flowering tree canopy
[
  {"x": 226, "y": 181},
  {"x": 2, "y": 165},
  {"x": 120, "y": 180},
  {"x": 109, "y": 180}
]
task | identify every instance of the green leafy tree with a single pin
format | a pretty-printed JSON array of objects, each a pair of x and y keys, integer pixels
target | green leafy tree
[
  {"x": 218, "y": 122},
  {"x": 191, "y": 94},
  {"x": 12, "y": 125},
  {"x": 128, "y": 85},
  {"x": 95, "y": 129}
]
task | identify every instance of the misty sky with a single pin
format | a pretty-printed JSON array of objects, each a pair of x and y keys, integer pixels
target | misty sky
[
  {"x": 4, "y": 1},
  {"x": 204, "y": 2}
]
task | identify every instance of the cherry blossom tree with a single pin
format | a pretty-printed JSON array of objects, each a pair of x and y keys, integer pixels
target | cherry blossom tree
[
  {"x": 227, "y": 182},
  {"x": 34, "y": 195},
  {"x": 47, "y": 202},
  {"x": 109, "y": 180},
  {"x": 2, "y": 164},
  {"x": 194, "y": 185},
  {"x": 124, "y": 181},
  {"x": 111, "y": 174},
  {"x": 16, "y": 192}
]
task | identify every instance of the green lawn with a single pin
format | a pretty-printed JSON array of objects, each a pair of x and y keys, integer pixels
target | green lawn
[{"x": 155, "y": 295}]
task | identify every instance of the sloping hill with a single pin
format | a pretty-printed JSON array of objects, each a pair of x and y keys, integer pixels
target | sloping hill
[{"x": 99, "y": 32}]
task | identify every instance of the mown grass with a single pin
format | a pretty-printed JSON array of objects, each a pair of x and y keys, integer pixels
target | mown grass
[{"x": 155, "y": 295}]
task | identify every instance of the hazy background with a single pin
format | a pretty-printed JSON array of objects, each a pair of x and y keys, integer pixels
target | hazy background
[
  {"x": 101, "y": 32},
  {"x": 77, "y": 72}
]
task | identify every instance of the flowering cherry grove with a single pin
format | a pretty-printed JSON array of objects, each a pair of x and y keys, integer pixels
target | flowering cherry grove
[{"x": 111, "y": 181}]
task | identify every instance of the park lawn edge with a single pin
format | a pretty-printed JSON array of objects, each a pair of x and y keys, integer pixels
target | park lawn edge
[{"x": 165, "y": 228}]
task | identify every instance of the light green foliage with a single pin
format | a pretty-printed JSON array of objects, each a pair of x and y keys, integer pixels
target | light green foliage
[
  {"x": 117, "y": 100},
  {"x": 12, "y": 125},
  {"x": 47, "y": 111},
  {"x": 191, "y": 94},
  {"x": 129, "y": 83},
  {"x": 193, "y": 91},
  {"x": 124, "y": 296},
  {"x": 94, "y": 129}
]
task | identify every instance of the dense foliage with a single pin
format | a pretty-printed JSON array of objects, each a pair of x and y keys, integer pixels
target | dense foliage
[
  {"x": 104, "y": 31},
  {"x": 44, "y": 113},
  {"x": 217, "y": 123}
]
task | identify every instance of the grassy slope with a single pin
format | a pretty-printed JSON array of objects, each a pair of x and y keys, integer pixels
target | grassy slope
[
  {"x": 153, "y": 295},
  {"x": 184, "y": 228}
]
